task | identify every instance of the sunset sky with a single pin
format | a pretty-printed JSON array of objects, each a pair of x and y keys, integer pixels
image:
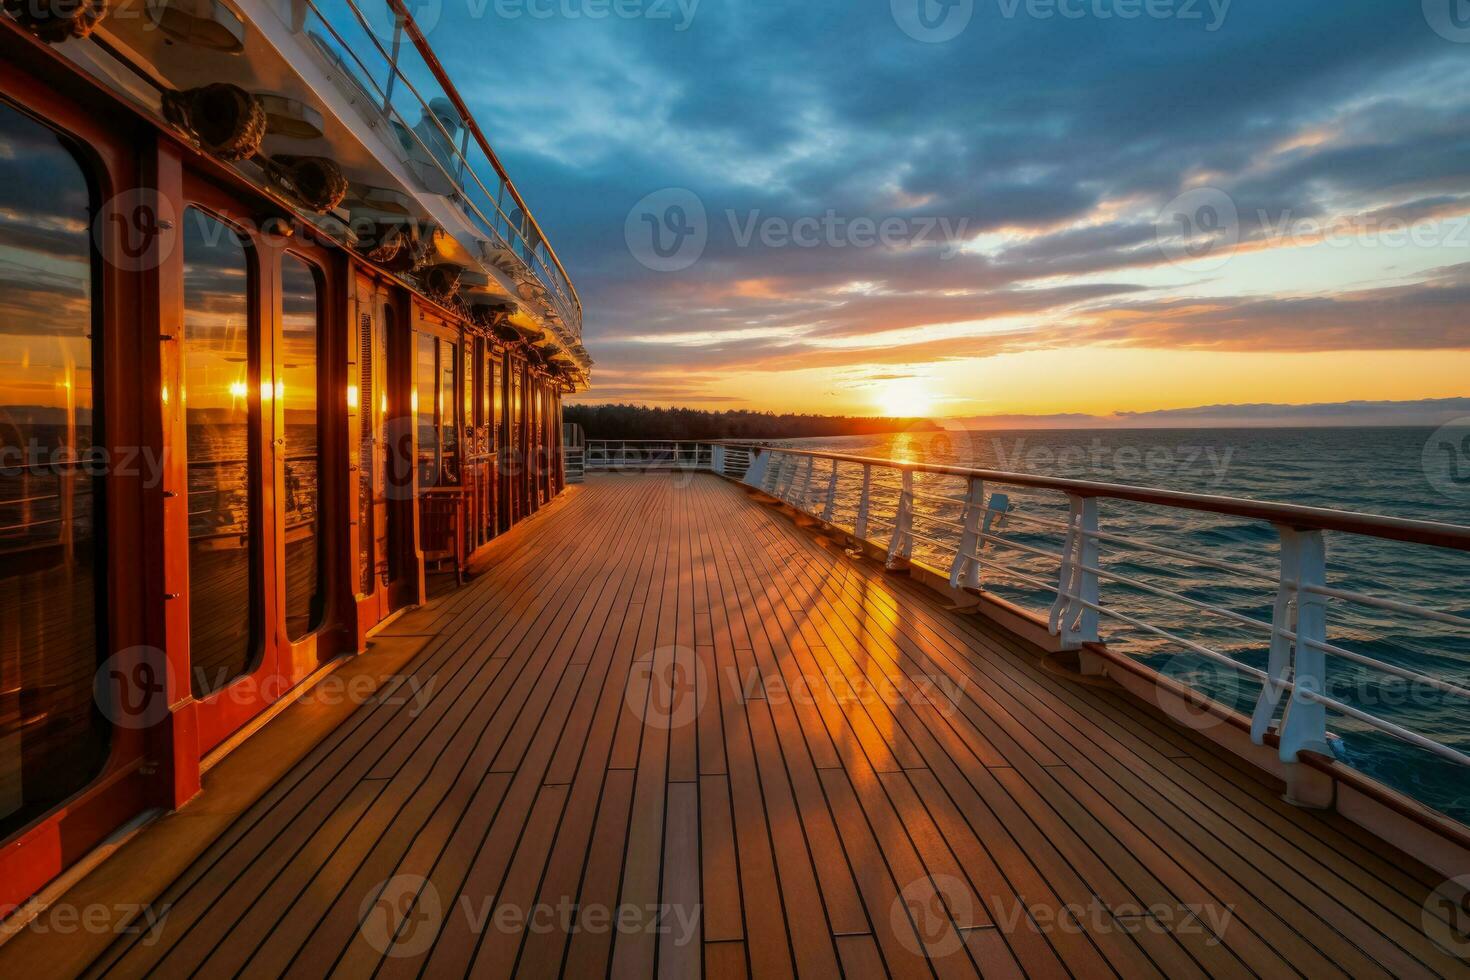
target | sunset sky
[{"x": 1049, "y": 146}]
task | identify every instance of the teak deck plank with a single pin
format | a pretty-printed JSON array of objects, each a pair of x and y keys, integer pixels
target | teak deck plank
[{"x": 662, "y": 699}]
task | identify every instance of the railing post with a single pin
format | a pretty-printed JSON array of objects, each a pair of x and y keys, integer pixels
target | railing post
[
  {"x": 860, "y": 528},
  {"x": 755, "y": 472},
  {"x": 787, "y": 477},
  {"x": 717, "y": 458},
  {"x": 1071, "y": 617},
  {"x": 901, "y": 543},
  {"x": 1283, "y": 626},
  {"x": 1304, "y": 722},
  {"x": 831, "y": 495},
  {"x": 964, "y": 572},
  {"x": 806, "y": 484},
  {"x": 777, "y": 473}
]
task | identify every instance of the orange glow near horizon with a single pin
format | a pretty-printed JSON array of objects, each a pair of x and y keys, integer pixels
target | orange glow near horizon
[{"x": 1087, "y": 380}]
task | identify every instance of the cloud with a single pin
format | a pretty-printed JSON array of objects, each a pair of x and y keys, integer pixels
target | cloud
[{"x": 1056, "y": 142}]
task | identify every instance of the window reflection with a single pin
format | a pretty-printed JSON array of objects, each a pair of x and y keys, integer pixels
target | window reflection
[
  {"x": 448, "y": 434},
  {"x": 300, "y": 316},
  {"x": 221, "y": 400},
  {"x": 52, "y": 738},
  {"x": 426, "y": 403}
]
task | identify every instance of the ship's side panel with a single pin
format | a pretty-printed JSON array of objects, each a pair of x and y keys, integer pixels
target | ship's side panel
[
  {"x": 84, "y": 564},
  {"x": 297, "y": 446}
]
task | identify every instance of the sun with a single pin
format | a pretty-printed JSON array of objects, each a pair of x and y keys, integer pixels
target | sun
[{"x": 904, "y": 398}]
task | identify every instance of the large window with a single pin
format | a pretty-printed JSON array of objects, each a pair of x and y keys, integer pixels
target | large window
[
  {"x": 372, "y": 408},
  {"x": 438, "y": 438},
  {"x": 53, "y": 740},
  {"x": 497, "y": 399},
  {"x": 448, "y": 434},
  {"x": 298, "y": 395},
  {"x": 221, "y": 398},
  {"x": 426, "y": 407}
]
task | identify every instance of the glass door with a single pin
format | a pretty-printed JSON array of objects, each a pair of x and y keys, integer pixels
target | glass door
[
  {"x": 369, "y": 398},
  {"x": 53, "y": 738},
  {"x": 300, "y": 405},
  {"x": 221, "y": 398}
]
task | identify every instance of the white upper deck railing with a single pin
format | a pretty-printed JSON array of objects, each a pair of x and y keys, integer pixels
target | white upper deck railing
[
  {"x": 401, "y": 81},
  {"x": 964, "y": 521}
]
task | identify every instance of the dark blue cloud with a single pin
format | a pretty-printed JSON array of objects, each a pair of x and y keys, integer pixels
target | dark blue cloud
[{"x": 1018, "y": 124}]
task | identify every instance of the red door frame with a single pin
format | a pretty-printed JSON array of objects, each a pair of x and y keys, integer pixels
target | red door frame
[
  {"x": 220, "y": 713},
  {"x": 391, "y": 303},
  {"x": 140, "y": 770}
]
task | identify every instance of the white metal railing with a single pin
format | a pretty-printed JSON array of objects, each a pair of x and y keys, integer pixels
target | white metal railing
[
  {"x": 573, "y": 453},
  {"x": 648, "y": 454},
  {"x": 959, "y": 518},
  {"x": 399, "y": 81}
]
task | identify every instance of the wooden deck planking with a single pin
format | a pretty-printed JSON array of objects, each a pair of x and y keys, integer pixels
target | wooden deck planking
[
  {"x": 1021, "y": 792},
  {"x": 1269, "y": 862},
  {"x": 660, "y": 692}
]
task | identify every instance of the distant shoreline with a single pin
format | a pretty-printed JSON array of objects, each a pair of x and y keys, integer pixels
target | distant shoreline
[{"x": 634, "y": 422}]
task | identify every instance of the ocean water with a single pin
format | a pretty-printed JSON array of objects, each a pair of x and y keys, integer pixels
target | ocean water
[{"x": 1379, "y": 471}]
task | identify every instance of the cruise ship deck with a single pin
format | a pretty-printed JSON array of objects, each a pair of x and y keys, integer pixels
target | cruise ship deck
[{"x": 666, "y": 729}]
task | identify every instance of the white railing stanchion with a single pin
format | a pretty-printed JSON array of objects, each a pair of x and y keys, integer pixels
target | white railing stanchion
[
  {"x": 1074, "y": 615},
  {"x": 801, "y": 496},
  {"x": 1283, "y": 630},
  {"x": 789, "y": 467},
  {"x": 755, "y": 472},
  {"x": 1304, "y": 721},
  {"x": 901, "y": 542},
  {"x": 831, "y": 495},
  {"x": 964, "y": 571},
  {"x": 777, "y": 473},
  {"x": 717, "y": 458},
  {"x": 865, "y": 504}
]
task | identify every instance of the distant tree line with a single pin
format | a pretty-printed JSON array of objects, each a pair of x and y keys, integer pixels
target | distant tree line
[{"x": 637, "y": 422}]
